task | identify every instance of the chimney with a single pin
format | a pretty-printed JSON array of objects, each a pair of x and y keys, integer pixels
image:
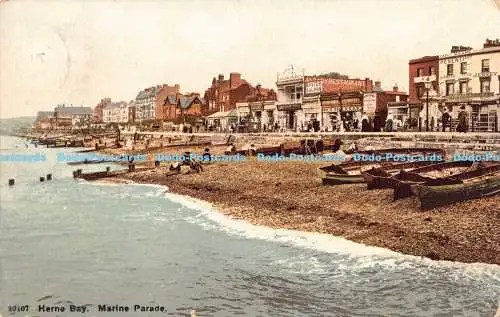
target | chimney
[
  {"x": 234, "y": 80},
  {"x": 177, "y": 88},
  {"x": 491, "y": 43},
  {"x": 221, "y": 77},
  {"x": 395, "y": 88},
  {"x": 165, "y": 85},
  {"x": 378, "y": 84}
]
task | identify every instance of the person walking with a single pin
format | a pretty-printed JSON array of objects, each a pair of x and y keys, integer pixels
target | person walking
[{"x": 463, "y": 121}]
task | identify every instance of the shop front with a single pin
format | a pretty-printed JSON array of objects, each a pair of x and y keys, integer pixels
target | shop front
[
  {"x": 341, "y": 108},
  {"x": 290, "y": 116},
  {"x": 482, "y": 108},
  {"x": 311, "y": 107}
]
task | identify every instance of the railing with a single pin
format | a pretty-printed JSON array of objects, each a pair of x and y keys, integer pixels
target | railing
[{"x": 471, "y": 95}]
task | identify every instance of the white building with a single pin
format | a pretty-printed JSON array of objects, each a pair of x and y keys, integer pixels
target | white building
[
  {"x": 146, "y": 104},
  {"x": 116, "y": 112},
  {"x": 311, "y": 102},
  {"x": 290, "y": 86},
  {"x": 471, "y": 77}
]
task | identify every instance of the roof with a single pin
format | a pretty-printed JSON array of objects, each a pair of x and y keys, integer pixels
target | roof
[
  {"x": 224, "y": 114},
  {"x": 171, "y": 100},
  {"x": 73, "y": 110},
  {"x": 186, "y": 102},
  {"x": 424, "y": 59}
]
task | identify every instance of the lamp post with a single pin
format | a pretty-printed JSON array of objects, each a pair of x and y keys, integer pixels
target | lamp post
[
  {"x": 427, "y": 88},
  {"x": 340, "y": 114}
]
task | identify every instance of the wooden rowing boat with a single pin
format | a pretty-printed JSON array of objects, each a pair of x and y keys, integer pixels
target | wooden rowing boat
[
  {"x": 351, "y": 174},
  {"x": 447, "y": 173},
  {"x": 472, "y": 188}
]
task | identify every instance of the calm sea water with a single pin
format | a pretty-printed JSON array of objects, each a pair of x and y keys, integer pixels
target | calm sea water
[{"x": 68, "y": 242}]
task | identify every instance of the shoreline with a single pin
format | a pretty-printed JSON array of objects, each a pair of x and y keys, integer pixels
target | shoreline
[
  {"x": 289, "y": 195},
  {"x": 208, "y": 208}
]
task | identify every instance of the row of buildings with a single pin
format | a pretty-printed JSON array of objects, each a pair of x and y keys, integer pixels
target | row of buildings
[{"x": 464, "y": 76}]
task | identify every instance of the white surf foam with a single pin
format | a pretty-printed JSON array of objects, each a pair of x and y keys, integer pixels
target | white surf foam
[{"x": 367, "y": 257}]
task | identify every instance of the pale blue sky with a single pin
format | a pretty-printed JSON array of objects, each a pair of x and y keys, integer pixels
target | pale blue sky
[{"x": 78, "y": 52}]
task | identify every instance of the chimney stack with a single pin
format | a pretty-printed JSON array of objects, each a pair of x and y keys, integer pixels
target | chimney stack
[
  {"x": 234, "y": 80},
  {"x": 395, "y": 88},
  {"x": 221, "y": 77},
  {"x": 378, "y": 84},
  {"x": 177, "y": 88}
]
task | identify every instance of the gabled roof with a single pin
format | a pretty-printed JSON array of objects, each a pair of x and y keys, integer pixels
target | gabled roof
[
  {"x": 171, "y": 100},
  {"x": 185, "y": 102}
]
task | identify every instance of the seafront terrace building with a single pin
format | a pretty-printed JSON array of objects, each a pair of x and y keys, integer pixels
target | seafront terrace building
[
  {"x": 290, "y": 91},
  {"x": 471, "y": 77}
]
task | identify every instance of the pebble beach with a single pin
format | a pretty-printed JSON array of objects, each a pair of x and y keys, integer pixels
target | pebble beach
[{"x": 290, "y": 195}]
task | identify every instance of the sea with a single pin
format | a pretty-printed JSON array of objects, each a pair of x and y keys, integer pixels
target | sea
[{"x": 68, "y": 244}]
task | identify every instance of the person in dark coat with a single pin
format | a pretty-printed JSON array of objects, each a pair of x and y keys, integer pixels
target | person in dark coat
[
  {"x": 365, "y": 124},
  {"x": 445, "y": 119},
  {"x": 377, "y": 123},
  {"x": 463, "y": 121}
]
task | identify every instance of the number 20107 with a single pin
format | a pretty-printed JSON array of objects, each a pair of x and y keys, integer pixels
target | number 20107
[{"x": 16, "y": 308}]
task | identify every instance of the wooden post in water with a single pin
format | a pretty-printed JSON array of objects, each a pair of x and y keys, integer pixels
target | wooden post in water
[
  {"x": 79, "y": 172},
  {"x": 108, "y": 169},
  {"x": 11, "y": 182},
  {"x": 42, "y": 179},
  {"x": 49, "y": 177}
]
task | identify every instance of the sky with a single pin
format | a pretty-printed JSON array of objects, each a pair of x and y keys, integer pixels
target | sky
[{"x": 78, "y": 52}]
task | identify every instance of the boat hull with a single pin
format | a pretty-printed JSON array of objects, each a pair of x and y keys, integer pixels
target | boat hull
[
  {"x": 339, "y": 179},
  {"x": 435, "y": 196}
]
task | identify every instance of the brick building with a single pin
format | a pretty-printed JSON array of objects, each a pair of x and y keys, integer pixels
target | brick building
[
  {"x": 223, "y": 94},
  {"x": 418, "y": 69},
  {"x": 161, "y": 96},
  {"x": 98, "y": 110}
]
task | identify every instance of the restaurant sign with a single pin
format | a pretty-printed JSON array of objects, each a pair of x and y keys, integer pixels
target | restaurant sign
[{"x": 344, "y": 85}]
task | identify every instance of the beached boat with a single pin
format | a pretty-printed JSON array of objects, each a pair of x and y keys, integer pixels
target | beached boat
[
  {"x": 478, "y": 183},
  {"x": 448, "y": 173},
  {"x": 349, "y": 173}
]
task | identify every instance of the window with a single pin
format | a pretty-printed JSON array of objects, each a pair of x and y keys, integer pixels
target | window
[
  {"x": 485, "y": 65},
  {"x": 485, "y": 85},
  {"x": 449, "y": 69},
  {"x": 420, "y": 91},
  {"x": 463, "y": 87},
  {"x": 463, "y": 68},
  {"x": 420, "y": 72},
  {"x": 432, "y": 71},
  {"x": 450, "y": 89}
]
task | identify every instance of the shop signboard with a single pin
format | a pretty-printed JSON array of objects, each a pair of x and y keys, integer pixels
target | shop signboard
[{"x": 370, "y": 103}]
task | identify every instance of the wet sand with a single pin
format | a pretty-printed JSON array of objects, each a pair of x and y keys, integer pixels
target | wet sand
[{"x": 290, "y": 195}]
